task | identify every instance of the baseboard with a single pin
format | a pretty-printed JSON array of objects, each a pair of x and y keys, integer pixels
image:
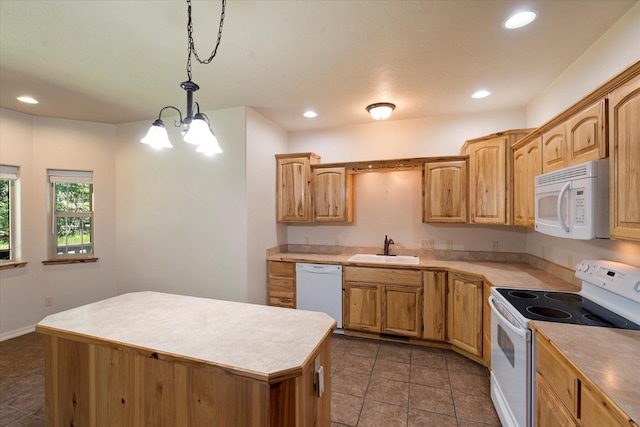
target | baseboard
[{"x": 17, "y": 332}]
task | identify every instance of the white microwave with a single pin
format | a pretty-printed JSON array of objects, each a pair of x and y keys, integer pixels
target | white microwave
[{"x": 573, "y": 202}]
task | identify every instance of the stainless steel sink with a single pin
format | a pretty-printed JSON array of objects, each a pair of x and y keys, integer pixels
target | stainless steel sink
[{"x": 385, "y": 259}]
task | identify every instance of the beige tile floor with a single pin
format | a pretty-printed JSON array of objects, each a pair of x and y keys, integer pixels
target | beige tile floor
[
  {"x": 374, "y": 383},
  {"x": 379, "y": 383}
]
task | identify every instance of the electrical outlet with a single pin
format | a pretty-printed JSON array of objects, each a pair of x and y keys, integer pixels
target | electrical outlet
[
  {"x": 449, "y": 244},
  {"x": 306, "y": 240},
  {"x": 570, "y": 263},
  {"x": 48, "y": 301},
  {"x": 494, "y": 246},
  {"x": 337, "y": 241},
  {"x": 544, "y": 252},
  {"x": 426, "y": 244}
]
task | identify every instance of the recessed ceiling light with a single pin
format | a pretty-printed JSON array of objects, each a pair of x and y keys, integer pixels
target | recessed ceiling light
[
  {"x": 520, "y": 19},
  {"x": 481, "y": 94},
  {"x": 27, "y": 100},
  {"x": 310, "y": 114}
]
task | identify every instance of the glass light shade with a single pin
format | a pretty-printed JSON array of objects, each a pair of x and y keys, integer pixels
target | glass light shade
[
  {"x": 157, "y": 136},
  {"x": 381, "y": 111},
  {"x": 210, "y": 146},
  {"x": 199, "y": 132},
  {"x": 520, "y": 20}
]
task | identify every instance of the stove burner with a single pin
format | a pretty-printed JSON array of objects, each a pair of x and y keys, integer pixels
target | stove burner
[
  {"x": 522, "y": 294},
  {"x": 561, "y": 296},
  {"x": 606, "y": 320},
  {"x": 549, "y": 312}
]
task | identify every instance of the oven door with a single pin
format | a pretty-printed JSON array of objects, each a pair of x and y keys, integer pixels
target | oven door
[{"x": 510, "y": 366}]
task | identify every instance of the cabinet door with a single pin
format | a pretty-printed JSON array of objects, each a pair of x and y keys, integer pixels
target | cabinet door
[
  {"x": 464, "y": 314},
  {"x": 624, "y": 182},
  {"x": 445, "y": 192},
  {"x": 549, "y": 410},
  {"x": 363, "y": 307},
  {"x": 487, "y": 191},
  {"x": 402, "y": 310},
  {"x": 282, "y": 284},
  {"x": 586, "y": 135},
  {"x": 596, "y": 410},
  {"x": 526, "y": 166},
  {"x": 434, "y": 305},
  {"x": 333, "y": 195},
  {"x": 554, "y": 144},
  {"x": 294, "y": 199}
]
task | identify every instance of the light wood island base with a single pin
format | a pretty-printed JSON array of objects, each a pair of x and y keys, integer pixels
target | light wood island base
[{"x": 94, "y": 381}]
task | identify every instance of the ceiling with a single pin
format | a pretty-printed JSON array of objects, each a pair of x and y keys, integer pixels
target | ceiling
[{"x": 117, "y": 61}]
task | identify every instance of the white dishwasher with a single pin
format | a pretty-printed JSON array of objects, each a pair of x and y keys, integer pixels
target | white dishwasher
[{"x": 319, "y": 288}]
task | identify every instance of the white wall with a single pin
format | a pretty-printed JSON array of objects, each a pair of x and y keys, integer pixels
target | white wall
[
  {"x": 391, "y": 202},
  {"x": 37, "y": 144},
  {"x": 264, "y": 140},
  {"x": 182, "y": 216},
  {"x": 618, "y": 48}
]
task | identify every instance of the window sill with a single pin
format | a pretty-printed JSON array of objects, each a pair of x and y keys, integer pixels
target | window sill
[
  {"x": 12, "y": 264},
  {"x": 69, "y": 260}
]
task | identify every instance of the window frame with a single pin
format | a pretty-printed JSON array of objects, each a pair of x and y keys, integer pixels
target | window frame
[
  {"x": 12, "y": 174},
  {"x": 57, "y": 176}
]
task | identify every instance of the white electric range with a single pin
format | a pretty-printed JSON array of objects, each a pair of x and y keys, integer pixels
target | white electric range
[{"x": 610, "y": 297}]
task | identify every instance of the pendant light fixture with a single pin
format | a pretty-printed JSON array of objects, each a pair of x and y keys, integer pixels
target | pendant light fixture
[
  {"x": 381, "y": 110},
  {"x": 195, "y": 128}
]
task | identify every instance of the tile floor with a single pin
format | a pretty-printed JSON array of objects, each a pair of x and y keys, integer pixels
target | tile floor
[{"x": 374, "y": 383}]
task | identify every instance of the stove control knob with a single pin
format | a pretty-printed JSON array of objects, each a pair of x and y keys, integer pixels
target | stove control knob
[{"x": 582, "y": 267}]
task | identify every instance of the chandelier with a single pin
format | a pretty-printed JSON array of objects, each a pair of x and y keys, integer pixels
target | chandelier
[{"x": 196, "y": 127}]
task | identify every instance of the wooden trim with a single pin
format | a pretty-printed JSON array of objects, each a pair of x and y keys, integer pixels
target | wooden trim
[
  {"x": 391, "y": 165},
  {"x": 12, "y": 264},
  {"x": 70, "y": 260},
  {"x": 296, "y": 155}
]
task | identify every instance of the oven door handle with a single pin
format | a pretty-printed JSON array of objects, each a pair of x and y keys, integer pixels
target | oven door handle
[{"x": 516, "y": 329}]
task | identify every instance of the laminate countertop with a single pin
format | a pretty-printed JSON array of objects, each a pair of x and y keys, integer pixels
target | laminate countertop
[
  {"x": 255, "y": 341},
  {"x": 502, "y": 274},
  {"x": 607, "y": 356}
]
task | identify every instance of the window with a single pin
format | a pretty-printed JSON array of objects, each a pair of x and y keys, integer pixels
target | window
[
  {"x": 71, "y": 197},
  {"x": 8, "y": 209}
]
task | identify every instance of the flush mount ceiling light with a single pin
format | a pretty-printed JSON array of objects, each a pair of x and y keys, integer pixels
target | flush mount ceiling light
[
  {"x": 195, "y": 128},
  {"x": 27, "y": 100},
  {"x": 381, "y": 110},
  {"x": 310, "y": 114},
  {"x": 520, "y": 19},
  {"x": 481, "y": 94}
]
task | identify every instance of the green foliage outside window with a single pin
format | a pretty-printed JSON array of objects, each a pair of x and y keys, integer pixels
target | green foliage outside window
[{"x": 5, "y": 211}]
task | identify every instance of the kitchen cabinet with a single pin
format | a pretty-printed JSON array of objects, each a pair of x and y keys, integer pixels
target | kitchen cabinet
[
  {"x": 464, "y": 313},
  {"x": 526, "y": 166},
  {"x": 434, "y": 305},
  {"x": 624, "y": 169},
  {"x": 490, "y": 177},
  {"x": 486, "y": 325},
  {"x": 333, "y": 189},
  {"x": 580, "y": 138},
  {"x": 444, "y": 191},
  {"x": 383, "y": 300},
  {"x": 294, "y": 193},
  {"x": 282, "y": 283},
  {"x": 564, "y": 396}
]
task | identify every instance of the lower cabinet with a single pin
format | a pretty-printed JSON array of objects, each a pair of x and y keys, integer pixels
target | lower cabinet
[
  {"x": 282, "y": 283},
  {"x": 383, "y": 300},
  {"x": 566, "y": 397},
  {"x": 435, "y": 305},
  {"x": 464, "y": 313}
]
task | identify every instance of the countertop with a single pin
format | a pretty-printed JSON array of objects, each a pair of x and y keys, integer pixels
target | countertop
[
  {"x": 609, "y": 357},
  {"x": 256, "y": 341},
  {"x": 502, "y": 274}
]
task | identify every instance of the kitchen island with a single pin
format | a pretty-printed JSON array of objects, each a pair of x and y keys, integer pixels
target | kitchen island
[{"x": 155, "y": 359}]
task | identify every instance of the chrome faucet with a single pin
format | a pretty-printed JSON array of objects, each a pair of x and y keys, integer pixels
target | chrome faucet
[{"x": 387, "y": 242}]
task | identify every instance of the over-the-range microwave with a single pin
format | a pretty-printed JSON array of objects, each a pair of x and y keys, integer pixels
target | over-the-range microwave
[{"x": 573, "y": 202}]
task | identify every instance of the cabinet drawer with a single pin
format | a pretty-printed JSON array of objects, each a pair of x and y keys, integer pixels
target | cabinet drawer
[
  {"x": 383, "y": 276},
  {"x": 558, "y": 372},
  {"x": 282, "y": 269}
]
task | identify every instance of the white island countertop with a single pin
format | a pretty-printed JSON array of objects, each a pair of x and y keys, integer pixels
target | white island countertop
[{"x": 255, "y": 341}]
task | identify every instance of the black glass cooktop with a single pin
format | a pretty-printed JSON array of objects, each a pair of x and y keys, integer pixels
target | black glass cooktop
[{"x": 564, "y": 307}]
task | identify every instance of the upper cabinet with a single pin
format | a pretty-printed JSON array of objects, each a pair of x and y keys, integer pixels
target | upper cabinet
[
  {"x": 576, "y": 140},
  {"x": 526, "y": 166},
  {"x": 333, "y": 189},
  {"x": 444, "y": 191},
  {"x": 490, "y": 170},
  {"x": 293, "y": 180},
  {"x": 624, "y": 169}
]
